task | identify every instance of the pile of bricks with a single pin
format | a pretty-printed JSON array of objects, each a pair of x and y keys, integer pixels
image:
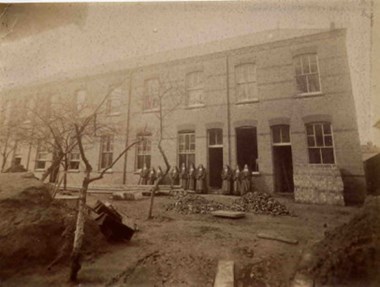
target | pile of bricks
[
  {"x": 321, "y": 184},
  {"x": 259, "y": 203},
  {"x": 191, "y": 204},
  {"x": 256, "y": 202}
]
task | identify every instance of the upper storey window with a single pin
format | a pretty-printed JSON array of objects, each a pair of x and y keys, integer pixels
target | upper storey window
[
  {"x": 307, "y": 74},
  {"x": 246, "y": 83},
  {"x": 151, "y": 94},
  {"x": 194, "y": 88}
]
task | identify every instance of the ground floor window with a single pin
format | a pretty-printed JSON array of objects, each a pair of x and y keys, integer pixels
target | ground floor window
[
  {"x": 106, "y": 151},
  {"x": 143, "y": 151},
  {"x": 41, "y": 157},
  {"x": 74, "y": 159},
  {"x": 186, "y": 148},
  {"x": 320, "y": 143},
  {"x": 246, "y": 147}
]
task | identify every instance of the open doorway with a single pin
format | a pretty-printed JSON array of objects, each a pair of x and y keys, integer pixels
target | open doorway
[
  {"x": 246, "y": 147},
  {"x": 282, "y": 159},
  {"x": 215, "y": 157}
]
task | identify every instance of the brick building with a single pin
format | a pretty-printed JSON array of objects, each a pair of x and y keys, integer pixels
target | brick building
[{"x": 272, "y": 100}]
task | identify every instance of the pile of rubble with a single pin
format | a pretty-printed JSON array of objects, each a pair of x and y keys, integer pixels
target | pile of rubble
[
  {"x": 190, "y": 204},
  {"x": 256, "y": 202},
  {"x": 259, "y": 203}
]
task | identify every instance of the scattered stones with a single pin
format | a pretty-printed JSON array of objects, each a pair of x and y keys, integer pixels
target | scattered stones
[{"x": 256, "y": 202}]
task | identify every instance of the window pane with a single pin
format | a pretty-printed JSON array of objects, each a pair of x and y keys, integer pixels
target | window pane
[
  {"x": 318, "y": 135},
  {"x": 191, "y": 159},
  {"x": 305, "y": 64},
  {"x": 309, "y": 130},
  {"x": 285, "y": 134},
  {"x": 313, "y": 83},
  {"x": 327, "y": 129},
  {"x": 276, "y": 134},
  {"x": 302, "y": 84},
  {"x": 314, "y": 155},
  {"x": 328, "y": 141},
  {"x": 328, "y": 155},
  {"x": 313, "y": 63},
  {"x": 187, "y": 142},
  {"x": 219, "y": 136},
  {"x": 298, "y": 66},
  {"x": 310, "y": 141},
  {"x": 147, "y": 161},
  {"x": 212, "y": 138}
]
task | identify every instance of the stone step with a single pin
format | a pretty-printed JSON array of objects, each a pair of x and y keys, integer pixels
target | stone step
[{"x": 225, "y": 274}]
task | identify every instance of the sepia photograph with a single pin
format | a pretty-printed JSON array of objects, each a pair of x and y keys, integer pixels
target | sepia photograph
[{"x": 190, "y": 143}]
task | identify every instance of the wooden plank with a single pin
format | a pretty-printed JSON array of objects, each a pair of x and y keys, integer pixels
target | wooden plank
[
  {"x": 224, "y": 274},
  {"x": 228, "y": 214},
  {"x": 277, "y": 237}
]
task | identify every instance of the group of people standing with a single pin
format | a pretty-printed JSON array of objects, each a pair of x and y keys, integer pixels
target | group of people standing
[
  {"x": 188, "y": 179},
  {"x": 236, "y": 182}
]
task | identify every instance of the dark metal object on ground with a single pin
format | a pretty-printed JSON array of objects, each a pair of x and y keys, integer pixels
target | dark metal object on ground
[
  {"x": 100, "y": 207},
  {"x": 110, "y": 223},
  {"x": 113, "y": 229}
]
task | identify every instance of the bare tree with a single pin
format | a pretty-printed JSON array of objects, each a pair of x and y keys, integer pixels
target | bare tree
[{"x": 170, "y": 95}]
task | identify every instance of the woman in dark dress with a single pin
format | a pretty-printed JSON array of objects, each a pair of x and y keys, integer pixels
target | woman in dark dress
[
  {"x": 183, "y": 177},
  {"x": 144, "y": 175},
  {"x": 227, "y": 179},
  {"x": 201, "y": 179},
  {"x": 245, "y": 180},
  {"x": 151, "y": 176},
  {"x": 237, "y": 181},
  {"x": 173, "y": 175},
  {"x": 192, "y": 177}
]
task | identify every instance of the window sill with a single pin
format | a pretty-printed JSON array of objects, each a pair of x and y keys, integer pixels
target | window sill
[
  {"x": 255, "y": 173},
  {"x": 114, "y": 114},
  {"x": 108, "y": 171},
  {"x": 73, "y": 171},
  {"x": 197, "y": 106},
  {"x": 307, "y": 95},
  {"x": 151, "y": 111},
  {"x": 40, "y": 169},
  {"x": 251, "y": 101},
  {"x": 322, "y": 164}
]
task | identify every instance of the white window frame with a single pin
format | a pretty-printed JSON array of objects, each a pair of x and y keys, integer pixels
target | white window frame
[
  {"x": 213, "y": 133},
  {"x": 184, "y": 151},
  {"x": 320, "y": 147},
  {"x": 249, "y": 98},
  {"x": 144, "y": 150},
  {"x": 106, "y": 141},
  {"x": 151, "y": 96},
  {"x": 42, "y": 155},
  {"x": 113, "y": 103},
  {"x": 308, "y": 74},
  {"x": 194, "y": 89},
  {"x": 282, "y": 142}
]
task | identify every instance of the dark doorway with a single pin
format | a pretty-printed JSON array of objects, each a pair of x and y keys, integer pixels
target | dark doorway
[
  {"x": 215, "y": 157},
  {"x": 246, "y": 147},
  {"x": 283, "y": 168},
  {"x": 216, "y": 166}
]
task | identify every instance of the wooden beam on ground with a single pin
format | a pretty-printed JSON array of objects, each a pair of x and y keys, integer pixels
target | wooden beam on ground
[
  {"x": 277, "y": 237},
  {"x": 228, "y": 214},
  {"x": 224, "y": 274}
]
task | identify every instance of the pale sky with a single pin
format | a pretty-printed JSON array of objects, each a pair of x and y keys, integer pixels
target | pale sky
[{"x": 111, "y": 32}]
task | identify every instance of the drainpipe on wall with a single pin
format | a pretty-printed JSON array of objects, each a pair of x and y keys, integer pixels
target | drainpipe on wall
[
  {"x": 228, "y": 112},
  {"x": 127, "y": 131}
]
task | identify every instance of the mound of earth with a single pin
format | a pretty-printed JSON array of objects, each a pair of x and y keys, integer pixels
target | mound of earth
[
  {"x": 35, "y": 230},
  {"x": 256, "y": 202},
  {"x": 351, "y": 252}
]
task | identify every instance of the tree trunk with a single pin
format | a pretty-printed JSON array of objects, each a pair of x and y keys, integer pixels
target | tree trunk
[
  {"x": 56, "y": 162},
  {"x": 76, "y": 255}
]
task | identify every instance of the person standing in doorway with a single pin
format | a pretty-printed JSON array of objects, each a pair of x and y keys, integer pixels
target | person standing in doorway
[
  {"x": 237, "y": 181},
  {"x": 183, "y": 177},
  {"x": 201, "y": 179},
  {"x": 144, "y": 175},
  {"x": 227, "y": 180},
  {"x": 173, "y": 175},
  {"x": 151, "y": 176},
  {"x": 245, "y": 180},
  {"x": 191, "y": 177}
]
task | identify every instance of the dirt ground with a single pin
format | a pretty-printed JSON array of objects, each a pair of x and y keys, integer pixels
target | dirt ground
[{"x": 183, "y": 250}]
